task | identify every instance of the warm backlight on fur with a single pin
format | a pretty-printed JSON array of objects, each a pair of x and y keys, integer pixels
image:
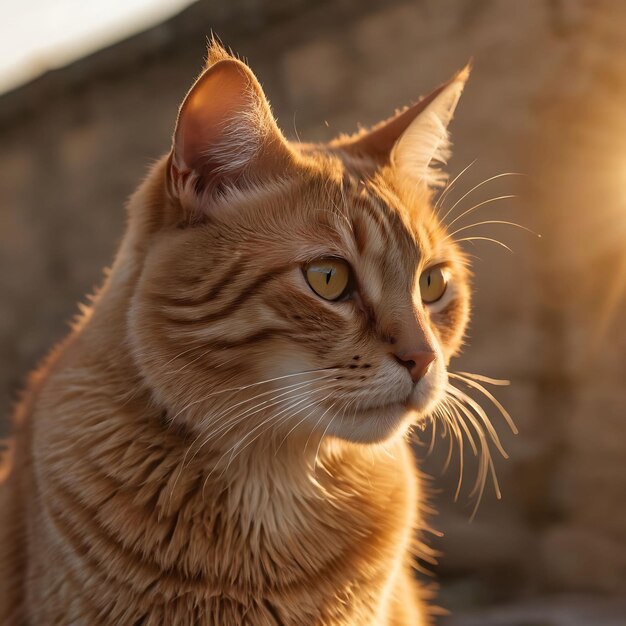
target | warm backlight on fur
[
  {"x": 329, "y": 278},
  {"x": 214, "y": 444},
  {"x": 433, "y": 283}
]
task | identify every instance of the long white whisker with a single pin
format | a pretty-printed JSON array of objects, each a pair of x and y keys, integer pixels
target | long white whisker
[
  {"x": 486, "y": 379},
  {"x": 507, "y": 223},
  {"x": 484, "y": 182},
  {"x": 306, "y": 444},
  {"x": 279, "y": 393},
  {"x": 231, "y": 422},
  {"x": 233, "y": 449},
  {"x": 248, "y": 386},
  {"x": 480, "y": 413},
  {"x": 475, "y": 385},
  {"x": 448, "y": 433},
  {"x": 466, "y": 430},
  {"x": 477, "y": 206},
  {"x": 302, "y": 420},
  {"x": 270, "y": 418},
  {"x": 450, "y": 185},
  {"x": 454, "y": 424},
  {"x": 485, "y": 239},
  {"x": 317, "y": 452},
  {"x": 486, "y": 463},
  {"x": 433, "y": 436}
]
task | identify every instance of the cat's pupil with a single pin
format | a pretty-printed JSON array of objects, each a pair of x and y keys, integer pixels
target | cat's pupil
[
  {"x": 428, "y": 280},
  {"x": 329, "y": 275}
]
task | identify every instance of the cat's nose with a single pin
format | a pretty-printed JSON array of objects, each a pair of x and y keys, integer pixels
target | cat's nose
[{"x": 418, "y": 363}]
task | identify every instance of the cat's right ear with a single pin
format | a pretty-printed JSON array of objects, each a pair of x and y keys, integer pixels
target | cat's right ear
[
  {"x": 414, "y": 140},
  {"x": 226, "y": 135}
]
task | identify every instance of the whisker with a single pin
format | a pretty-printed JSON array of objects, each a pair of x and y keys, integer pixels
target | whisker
[
  {"x": 477, "y": 206},
  {"x": 278, "y": 393},
  {"x": 317, "y": 452},
  {"x": 433, "y": 436},
  {"x": 232, "y": 422},
  {"x": 319, "y": 443},
  {"x": 472, "y": 383},
  {"x": 315, "y": 402},
  {"x": 179, "y": 355},
  {"x": 485, "y": 239},
  {"x": 486, "y": 464},
  {"x": 225, "y": 426},
  {"x": 480, "y": 413},
  {"x": 448, "y": 434},
  {"x": 484, "y": 182},
  {"x": 248, "y": 386},
  {"x": 454, "y": 424},
  {"x": 466, "y": 430},
  {"x": 302, "y": 420},
  {"x": 314, "y": 429},
  {"x": 515, "y": 224},
  {"x": 458, "y": 412},
  {"x": 450, "y": 185},
  {"x": 233, "y": 449},
  {"x": 272, "y": 419},
  {"x": 486, "y": 379}
]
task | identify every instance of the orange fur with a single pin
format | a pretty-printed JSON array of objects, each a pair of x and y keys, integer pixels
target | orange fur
[{"x": 214, "y": 443}]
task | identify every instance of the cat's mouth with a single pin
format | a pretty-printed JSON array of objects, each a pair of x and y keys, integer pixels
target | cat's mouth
[
  {"x": 417, "y": 405},
  {"x": 410, "y": 402},
  {"x": 374, "y": 423},
  {"x": 388, "y": 409}
]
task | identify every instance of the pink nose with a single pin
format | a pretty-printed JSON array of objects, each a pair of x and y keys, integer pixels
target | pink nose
[{"x": 417, "y": 363}]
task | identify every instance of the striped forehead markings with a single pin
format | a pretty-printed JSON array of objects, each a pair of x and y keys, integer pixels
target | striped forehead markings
[
  {"x": 375, "y": 239},
  {"x": 397, "y": 242}
]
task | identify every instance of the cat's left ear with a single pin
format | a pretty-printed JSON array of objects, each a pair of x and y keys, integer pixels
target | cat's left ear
[
  {"x": 226, "y": 135},
  {"x": 416, "y": 139}
]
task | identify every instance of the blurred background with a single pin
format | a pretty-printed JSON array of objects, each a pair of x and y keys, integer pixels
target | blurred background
[{"x": 90, "y": 95}]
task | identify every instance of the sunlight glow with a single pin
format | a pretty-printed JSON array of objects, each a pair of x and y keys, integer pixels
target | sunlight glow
[{"x": 39, "y": 35}]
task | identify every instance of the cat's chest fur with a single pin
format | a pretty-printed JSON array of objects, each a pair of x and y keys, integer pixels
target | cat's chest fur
[{"x": 147, "y": 532}]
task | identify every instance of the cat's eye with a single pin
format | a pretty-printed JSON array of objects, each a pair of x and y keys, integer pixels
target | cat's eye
[
  {"x": 329, "y": 278},
  {"x": 433, "y": 283}
]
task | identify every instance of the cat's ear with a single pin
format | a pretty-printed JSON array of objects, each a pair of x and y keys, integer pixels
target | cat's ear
[
  {"x": 226, "y": 134},
  {"x": 425, "y": 143},
  {"x": 415, "y": 139}
]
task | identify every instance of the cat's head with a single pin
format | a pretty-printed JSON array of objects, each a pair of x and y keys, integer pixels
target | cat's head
[{"x": 292, "y": 288}]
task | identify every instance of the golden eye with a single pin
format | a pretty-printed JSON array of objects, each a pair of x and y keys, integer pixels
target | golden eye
[
  {"x": 328, "y": 278},
  {"x": 433, "y": 283}
]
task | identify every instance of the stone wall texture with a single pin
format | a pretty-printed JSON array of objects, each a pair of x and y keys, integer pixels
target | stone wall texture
[{"x": 547, "y": 99}]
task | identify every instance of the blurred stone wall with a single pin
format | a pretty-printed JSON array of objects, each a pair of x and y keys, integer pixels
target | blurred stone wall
[{"x": 546, "y": 98}]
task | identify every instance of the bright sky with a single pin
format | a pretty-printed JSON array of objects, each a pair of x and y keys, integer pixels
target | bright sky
[{"x": 37, "y": 35}]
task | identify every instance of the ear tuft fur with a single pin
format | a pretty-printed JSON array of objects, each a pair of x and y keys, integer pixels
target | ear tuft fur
[{"x": 216, "y": 51}]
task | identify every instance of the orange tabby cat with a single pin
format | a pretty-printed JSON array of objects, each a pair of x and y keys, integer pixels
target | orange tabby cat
[{"x": 222, "y": 437}]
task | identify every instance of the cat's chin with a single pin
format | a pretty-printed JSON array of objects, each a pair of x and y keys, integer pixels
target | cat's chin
[
  {"x": 376, "y": 424},
  {"x": 380, "y": 423}
]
